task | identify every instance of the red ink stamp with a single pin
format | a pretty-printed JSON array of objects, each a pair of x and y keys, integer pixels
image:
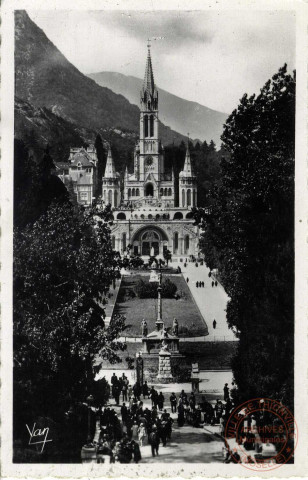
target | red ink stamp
[{"x": 261, "y": 434}]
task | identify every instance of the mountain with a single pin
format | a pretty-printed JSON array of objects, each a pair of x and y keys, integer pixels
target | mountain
[
  {"x": 41, "y": 126},
  {"x": 181, "y": 115},
  {"x": 45, "y": 78}
]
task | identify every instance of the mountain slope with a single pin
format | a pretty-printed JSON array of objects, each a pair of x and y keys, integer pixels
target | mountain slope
[
  {"x": 41, "y": 126},
  {"x": 182, "y": 115},
  {"x": 45, "y": 78}
]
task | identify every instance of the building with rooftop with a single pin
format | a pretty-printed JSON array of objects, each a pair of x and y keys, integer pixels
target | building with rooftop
[{"x": 147, "y": 216}]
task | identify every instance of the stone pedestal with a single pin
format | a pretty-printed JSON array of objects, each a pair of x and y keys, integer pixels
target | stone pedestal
[{"x": 164, "y": 367}]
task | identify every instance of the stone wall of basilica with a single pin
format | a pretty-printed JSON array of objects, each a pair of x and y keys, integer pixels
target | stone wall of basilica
[{"x": 180, "y": 237}]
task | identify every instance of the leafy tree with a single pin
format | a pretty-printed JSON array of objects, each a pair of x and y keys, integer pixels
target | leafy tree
[
  {"x": 35, "y": 184},
  {"x": 63, "y": 267},
  {"x": 248, "y": 235},
  {"x": 101, "y": 163}
]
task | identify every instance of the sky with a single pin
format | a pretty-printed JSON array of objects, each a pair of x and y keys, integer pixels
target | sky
[{"x": 211, "y": 57}]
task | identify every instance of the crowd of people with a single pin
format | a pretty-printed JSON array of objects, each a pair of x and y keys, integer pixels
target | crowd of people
[
  {"x": 123, "y": 433},
  {"x": 125, "y": 429}
]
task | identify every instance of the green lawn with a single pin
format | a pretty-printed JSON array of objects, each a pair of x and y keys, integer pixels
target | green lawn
[{"x": 135, "y": 309}]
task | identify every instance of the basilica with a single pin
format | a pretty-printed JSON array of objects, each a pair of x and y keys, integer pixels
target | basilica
[{"x": 146, "y": 214}]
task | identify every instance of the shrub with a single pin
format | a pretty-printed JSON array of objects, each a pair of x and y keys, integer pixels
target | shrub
[{"x": 149, "y": 289}]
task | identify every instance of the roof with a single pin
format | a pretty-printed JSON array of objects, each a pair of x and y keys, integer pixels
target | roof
[{"x": 83, "y": 158}]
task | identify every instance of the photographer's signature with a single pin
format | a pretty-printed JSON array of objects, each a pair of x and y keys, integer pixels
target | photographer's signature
[{"x": 38, "y": 436}]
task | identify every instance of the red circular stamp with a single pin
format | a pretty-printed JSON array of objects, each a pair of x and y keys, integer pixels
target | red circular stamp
[{"x": 261, "y": 434}]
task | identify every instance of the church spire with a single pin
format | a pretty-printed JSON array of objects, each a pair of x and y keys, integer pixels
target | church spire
[
  {"x": 110, "y": 171},
  {"x": 149, "y": 94},
  {"x": 148, "y": 83},
  {"x": 187, "y": 170}
]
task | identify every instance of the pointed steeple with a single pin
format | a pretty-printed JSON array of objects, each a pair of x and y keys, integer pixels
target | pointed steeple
[
  {"x": 148, "y": 83},
  {"x": 187, "y": 170},
  {"x": 149, "y": 94},
  {"x": 110, "y": 171}
]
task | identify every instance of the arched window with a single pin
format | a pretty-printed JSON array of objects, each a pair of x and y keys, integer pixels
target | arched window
[
  {"x": 189, "y": 197},
  {"x": 124, "y": 241},
  {"x": 142, "y": 217},
  {"x": 121, "y": 216},
  {"x": 133, "y": 192},
  {"x": 115, "y": 198},
  {"x": 113, "y": 241},
  {"x": 110, "y": 196},
  {"x": 157, "y": 217},
  {"x": 189, "y": 215},
  {"x": 136, "y": 217},
  {"x": 166, "y": 192},
  {"x": 178, "y": 216},
  {"x": 161, "y": 192},
  {"x": 175, "y": 242},
  {"x": 137, "y": 192},
  {"x": 149, "y": 190},
  {"x": 169, "y": 192},
  {"x": 150, "y": 216},
  {"x": 105, "y": 196},
  {"x": 195, "y": 198},
  {"x": 146, "y": 126},
  {"x": 151, "y": 126},
  {"x": 183, "y": 198},
  {"x": 186, "y": 243},
  {"x": 129, "y": 193}
]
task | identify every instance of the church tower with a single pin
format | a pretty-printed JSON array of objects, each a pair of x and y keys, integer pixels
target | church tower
[
  {"x": 151, "y": 164},
  {"x": 187, "y": 184},
  {"x": 111, "y": 182}
]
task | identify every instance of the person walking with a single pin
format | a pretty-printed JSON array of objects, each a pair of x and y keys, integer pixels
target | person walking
[
  {"x": 192, "y": 401},
  {"x": 197, "y": 284},
  {"x": 154, "y": 441},
  {"x": 141, "y": 433},
  {"x": 213, "y": 284},
  {"x": 124, "y": 413},
  {"x": 181, "y": 414},
  {"x": 125, "y": 382},
  {"x": 226, "y": 392},
  {"x": 173, "y": 402},
  {"x": 160, "y": 401},
  {"x": 216, "y": 283},
  {"x": 145, "y": 389},
  {"x": 187, "y": 279},
  {"x": 214, "y": 324}
]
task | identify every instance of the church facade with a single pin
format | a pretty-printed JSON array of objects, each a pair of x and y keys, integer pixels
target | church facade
[{"x": 147, "y": 215}]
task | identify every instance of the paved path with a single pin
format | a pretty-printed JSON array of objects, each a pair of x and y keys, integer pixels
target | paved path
[
  {"x": 212, "y": 301},
  {"x": 187, "y": 444}
]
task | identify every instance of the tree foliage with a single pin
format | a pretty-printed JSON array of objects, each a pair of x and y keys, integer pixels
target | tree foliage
[
  {"x": 63, "y": 267},
  {"x": 248, "y": 235},
  {"x": 206, "y": 164},
  {"x": 146, "y": 289}
]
